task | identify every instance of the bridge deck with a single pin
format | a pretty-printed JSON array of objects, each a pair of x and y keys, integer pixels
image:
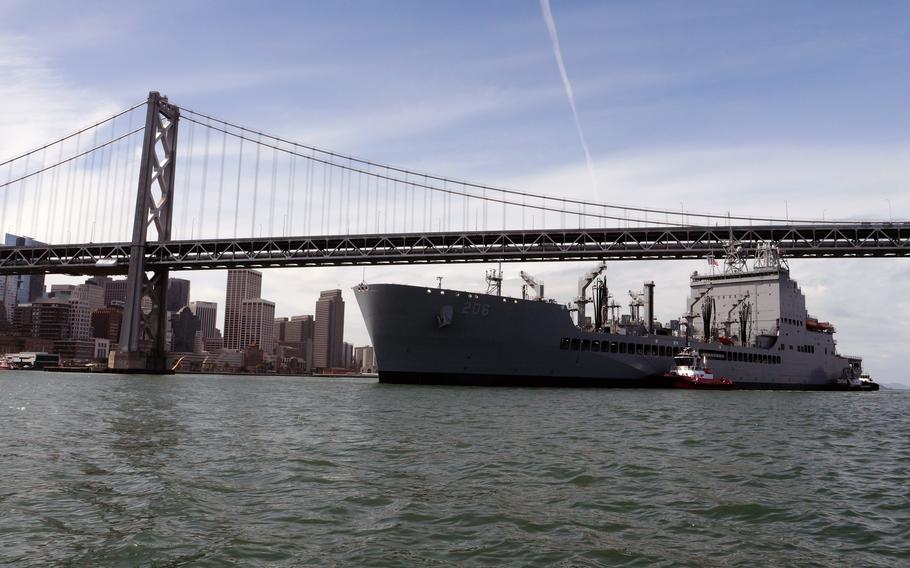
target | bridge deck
[{"x": 820, "y": 241}]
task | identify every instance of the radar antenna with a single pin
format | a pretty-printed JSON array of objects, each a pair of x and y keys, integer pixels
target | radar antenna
[{"x": 769, "y": 256}]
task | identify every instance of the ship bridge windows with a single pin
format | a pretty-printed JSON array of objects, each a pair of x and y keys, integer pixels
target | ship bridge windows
[
  {"x": 622, "y": 348},
  {"x": 639, "y": 349},
  {"x": 614, "y": 347},
  {"x": 576, "y": 344},
  {"x": 564, "y": 343},
  {"x": 585, "y": 345},
  {"x": 595, "y": 345}
]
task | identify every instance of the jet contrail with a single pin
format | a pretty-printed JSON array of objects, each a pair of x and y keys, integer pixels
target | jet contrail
[{"x": 554, "y": 39}]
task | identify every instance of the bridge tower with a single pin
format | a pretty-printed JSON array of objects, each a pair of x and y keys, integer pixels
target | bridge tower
[{"x": 143, "y": 332}]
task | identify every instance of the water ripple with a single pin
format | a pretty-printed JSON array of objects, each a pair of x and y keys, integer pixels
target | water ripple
[{"x": 213, "y": 471}]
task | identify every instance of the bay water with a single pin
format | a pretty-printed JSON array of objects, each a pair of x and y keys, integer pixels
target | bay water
[{"x": 111, "y": 470}]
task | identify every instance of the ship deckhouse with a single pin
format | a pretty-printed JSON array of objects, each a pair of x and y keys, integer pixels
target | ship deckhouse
[{"x": 755, "y": 307}]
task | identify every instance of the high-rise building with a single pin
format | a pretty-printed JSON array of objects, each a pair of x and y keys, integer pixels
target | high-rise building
[
  {"x": 296, "y": 334},
  {"x": 347, "y": 355},
  {"x": 51, "y": 319},
  {"x": 115, "y": 292},
  {"x": 106, "y": 323},
  {"x": 20, "y": 289},
  {"x": 279, "y": 330},
  {"x": 178, "y": 294},
  {"x": 328, "y": 331},
  {"x": 185, "y": 325},
  {"x": 84, "y": 299},
  {"x": 257, "y": 321},
  {"x": 242, "y": 284},
  {"x": 207, "y": 312},
  {"x": 365, "y": 359}
]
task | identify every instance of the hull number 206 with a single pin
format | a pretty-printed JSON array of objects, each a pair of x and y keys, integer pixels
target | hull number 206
[{"x": 475, "y": 308}]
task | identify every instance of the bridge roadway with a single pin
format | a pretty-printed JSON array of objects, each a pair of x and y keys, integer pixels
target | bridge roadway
[{"x": 872, "y": 239}]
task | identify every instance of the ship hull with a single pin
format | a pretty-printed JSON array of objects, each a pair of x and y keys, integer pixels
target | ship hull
[{"x": 450, "y": 337}]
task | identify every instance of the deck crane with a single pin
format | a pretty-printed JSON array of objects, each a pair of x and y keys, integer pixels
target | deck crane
[
  {"x": 581, "y": 300},
  {"x": 533, "y": 284}
]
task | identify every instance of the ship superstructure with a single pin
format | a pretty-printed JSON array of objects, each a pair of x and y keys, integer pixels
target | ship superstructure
[{"x": 750, "y": 324}]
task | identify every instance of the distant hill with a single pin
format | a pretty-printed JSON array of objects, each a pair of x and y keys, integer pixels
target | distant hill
[{"x": 899, "y": 386}]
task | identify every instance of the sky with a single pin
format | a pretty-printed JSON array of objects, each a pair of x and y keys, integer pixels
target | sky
[{"x": 764, "y": 108}]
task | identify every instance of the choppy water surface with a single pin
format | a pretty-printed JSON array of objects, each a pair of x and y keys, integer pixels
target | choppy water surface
[{"x": 207, "y": 471}]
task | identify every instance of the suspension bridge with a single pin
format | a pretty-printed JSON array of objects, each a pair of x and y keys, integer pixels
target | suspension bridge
[{"x": 110, "y": 199}]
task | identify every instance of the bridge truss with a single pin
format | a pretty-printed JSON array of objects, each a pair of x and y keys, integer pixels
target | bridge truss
[{"x": 811, "y": 241}]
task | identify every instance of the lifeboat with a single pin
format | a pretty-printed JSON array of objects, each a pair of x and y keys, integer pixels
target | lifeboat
[{"x": 689, "y": 372}]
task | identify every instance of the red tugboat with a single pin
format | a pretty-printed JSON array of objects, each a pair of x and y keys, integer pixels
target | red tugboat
[{"x": 690, "y": 372}]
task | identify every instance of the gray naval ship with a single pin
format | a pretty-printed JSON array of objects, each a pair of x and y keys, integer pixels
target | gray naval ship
[{"x": 749, "y": 323}]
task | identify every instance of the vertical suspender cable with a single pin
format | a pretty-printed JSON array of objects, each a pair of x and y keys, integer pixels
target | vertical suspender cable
[
  {"x": 273, "y": 192},
  {"x": 39, "y": 202},
  {"x": 205, "y": 180},
  {"x": 92, "y": 198},
  {"x": 52, "y": 206},
  {"x": 108, "y": 204},
  {"x": 326, "y": 202},
  {"x": 292, "y": 179},
  {"x": 359, "y": 197},
  {"x": 124, "y": 183},
  {"x": 6, "y": 189},
  {"x": 22, "y": 186},
  {"x": 256, "y": 185},
  {"x": 220, "y": 186},
  {"x": 68, "y": 196},
  {"x": 237, "y": 193},
  {"x": 308, "y": 197},
  {"x": 185, "y": 208},
  {"x": 346, "y": 206}
]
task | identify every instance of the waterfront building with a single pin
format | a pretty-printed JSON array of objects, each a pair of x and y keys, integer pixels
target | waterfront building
[
  {"x": 296, "y": 338},
  {"x": 257, "y": 320},
  {"x": 106, "y": 323},
  {"x": 207, "y": 312},
  {"x": 365, "y": 359},
  {"x": 347, "y": 355},
  {"x": 328, "y": 330},
  {"x": 185, "y": 326},
  {"x": 213, "y": 344},
  {"x": 18, "y": 289},
  {"x": 242, "y": 284},
  {"x": 279, "y": 330},
  {"x": 50, "y": 319},
  {"x": 115, "y": 292},
  {"x": 178, "y": 294}
]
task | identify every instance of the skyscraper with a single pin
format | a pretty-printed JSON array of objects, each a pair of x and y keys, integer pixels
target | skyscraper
[
  {"x": 297, "y": 333},
  {"x": 185, "y": 325},
  {"x": 328, "y": 332},
  {"x": 178, "y": 294},
  {"x": 257, "y": 317},
  {"x": 242, "y": 284},
  {"x": 207, "y": 312},
  {"x": 115, "y": 292},
  {"x": 20, "y": 289}
]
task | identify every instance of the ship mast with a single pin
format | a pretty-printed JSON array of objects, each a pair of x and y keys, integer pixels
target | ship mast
[{"x": 494, "y": 281}]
